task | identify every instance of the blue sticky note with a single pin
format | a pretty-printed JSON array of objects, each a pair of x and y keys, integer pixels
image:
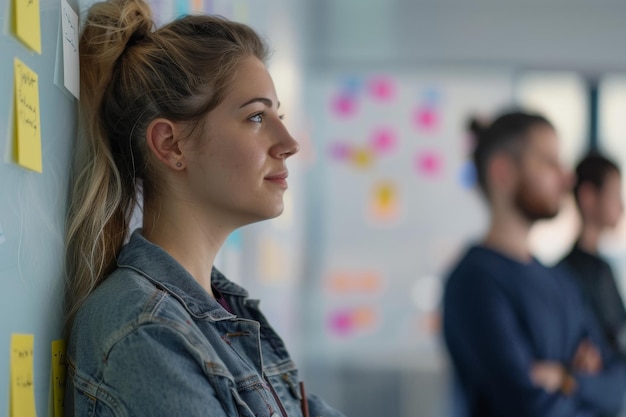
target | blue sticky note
[
  {"x": 183, "y": 7},
  {"x": 430, "y": 95},
  {"x": 467, "y": 175},
  {"x": 351, "y": 84}
]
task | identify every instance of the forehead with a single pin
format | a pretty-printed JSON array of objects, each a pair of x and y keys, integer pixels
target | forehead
[
  {"x": 543, "y": 138},
  {"x": 251, "y": 80},
  {"x": 613, "y": 177}
]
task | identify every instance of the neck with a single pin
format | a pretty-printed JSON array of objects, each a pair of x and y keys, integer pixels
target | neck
[
  {"x": 508, "y": 234},
  {"x": 589, "y": 238},
  {"x": 187, "y": 235}
]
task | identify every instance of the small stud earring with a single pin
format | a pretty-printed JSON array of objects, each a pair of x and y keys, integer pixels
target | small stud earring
[{"x": 179, "y": 164}]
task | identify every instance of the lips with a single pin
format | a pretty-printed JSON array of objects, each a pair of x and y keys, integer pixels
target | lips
[{"x": 279, "y": 178}]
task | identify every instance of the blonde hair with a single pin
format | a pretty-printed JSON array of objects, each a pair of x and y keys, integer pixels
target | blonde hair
[{"x": 131, "y": 74}]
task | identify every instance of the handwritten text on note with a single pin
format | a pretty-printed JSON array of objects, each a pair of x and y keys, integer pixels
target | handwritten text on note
[
  {"x": 27, "y": 127},
  {"x": 69, "y": 27},
  {"x": 22, "y": 395}
]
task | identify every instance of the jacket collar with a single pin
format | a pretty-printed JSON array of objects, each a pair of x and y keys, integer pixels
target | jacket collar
[{"x": 165, "y": 272}]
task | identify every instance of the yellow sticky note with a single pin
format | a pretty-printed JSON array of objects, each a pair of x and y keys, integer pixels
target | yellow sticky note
[
  {"x": 22, "y": 395},
  {"x": 362, "y": 158},
  {"x": 58, "y": 376},
  {"x": 28, "y": 23},
  {"x": 385, "y": 195},
  {"x": 27, "y": 127},
  {"x": 384, "y": 208}
]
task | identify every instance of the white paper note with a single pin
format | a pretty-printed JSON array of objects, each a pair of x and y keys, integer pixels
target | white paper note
[{"x": 71, "y": 69}]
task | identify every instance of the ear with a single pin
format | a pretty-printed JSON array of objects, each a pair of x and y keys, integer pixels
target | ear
[
  {"x": 501, "y": 172},
  {"x": 163, "y": 138}
]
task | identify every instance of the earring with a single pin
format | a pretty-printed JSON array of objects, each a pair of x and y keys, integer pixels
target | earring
[{"x": 179, "y": 164}]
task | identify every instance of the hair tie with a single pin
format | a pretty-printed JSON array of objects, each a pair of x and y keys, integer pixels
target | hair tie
[{"x": 135, "y": 38}]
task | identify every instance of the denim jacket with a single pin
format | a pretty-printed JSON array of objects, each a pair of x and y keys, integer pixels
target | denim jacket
[{"x": 150, "y": 341}]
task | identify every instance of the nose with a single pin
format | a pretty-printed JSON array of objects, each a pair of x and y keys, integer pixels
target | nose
[{"x": 285, "y": 145}]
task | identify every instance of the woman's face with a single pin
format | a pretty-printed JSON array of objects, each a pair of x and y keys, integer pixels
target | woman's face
[{"x": 237, "y": 170}]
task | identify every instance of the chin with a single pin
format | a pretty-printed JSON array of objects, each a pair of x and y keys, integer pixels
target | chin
[
  {"x": 278, "y": 212},
  {"x": 271, "y": 213}
]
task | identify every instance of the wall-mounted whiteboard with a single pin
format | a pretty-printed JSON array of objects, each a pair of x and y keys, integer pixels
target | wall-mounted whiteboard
[{"x": 391, "y": 203}]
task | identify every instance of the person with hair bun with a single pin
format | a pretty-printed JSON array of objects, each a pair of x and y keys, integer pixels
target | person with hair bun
[
  {"x": 521, "y": 340},
  {"x": 185, "y": 117}
]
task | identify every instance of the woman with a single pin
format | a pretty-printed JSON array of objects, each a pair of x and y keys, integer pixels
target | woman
[{"x": 188, "y": 115}]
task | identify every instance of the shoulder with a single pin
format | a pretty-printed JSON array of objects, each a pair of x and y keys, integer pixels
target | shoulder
[
  {"x": 475, "y": 265},
  {"x": 124, "y": 302},
  {"x": 476, "y": 276},
  {"x": 121, "y": 297}
]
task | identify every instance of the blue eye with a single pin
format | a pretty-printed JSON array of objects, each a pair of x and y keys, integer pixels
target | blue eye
[{"x": 257, "y": 118}]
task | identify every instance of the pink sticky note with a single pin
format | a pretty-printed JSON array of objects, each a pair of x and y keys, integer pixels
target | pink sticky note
[
  {"x": 341, "y": 323},
  {"x": 382, "y": 88},
  {"x": 428, "y": 163},
  {"x": 340, "y": 151},
  {"x": 426, "y": 118},
  {"x": 343, "y": 105},
  {"x": 384, "y": 140}
]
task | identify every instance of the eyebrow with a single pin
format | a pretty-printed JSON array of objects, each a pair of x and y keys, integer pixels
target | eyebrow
[{"x": 263, "y": 100}]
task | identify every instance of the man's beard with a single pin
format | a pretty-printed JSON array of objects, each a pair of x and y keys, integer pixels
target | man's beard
[{"x": 532, "y": 206}]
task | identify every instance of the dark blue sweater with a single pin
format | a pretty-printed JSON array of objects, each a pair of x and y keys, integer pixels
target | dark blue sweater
[{"x": 500, "y": 316}]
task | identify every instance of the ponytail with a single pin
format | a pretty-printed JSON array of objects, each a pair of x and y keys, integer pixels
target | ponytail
[{"x": 101, "y": 201}]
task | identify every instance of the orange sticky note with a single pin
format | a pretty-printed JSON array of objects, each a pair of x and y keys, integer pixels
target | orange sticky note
[
  {"x": 27, "y": 126},
  {"x": 28, "y": 23},
  {"x": 58, "y": 376},
  {"x": 22, "y": 394}
]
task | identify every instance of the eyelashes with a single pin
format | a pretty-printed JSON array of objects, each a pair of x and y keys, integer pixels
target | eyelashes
[{"x": 258, "y": 117}]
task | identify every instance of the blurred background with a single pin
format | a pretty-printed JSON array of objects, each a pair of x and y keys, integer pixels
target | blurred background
[{"x": 382, "y": 198}]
